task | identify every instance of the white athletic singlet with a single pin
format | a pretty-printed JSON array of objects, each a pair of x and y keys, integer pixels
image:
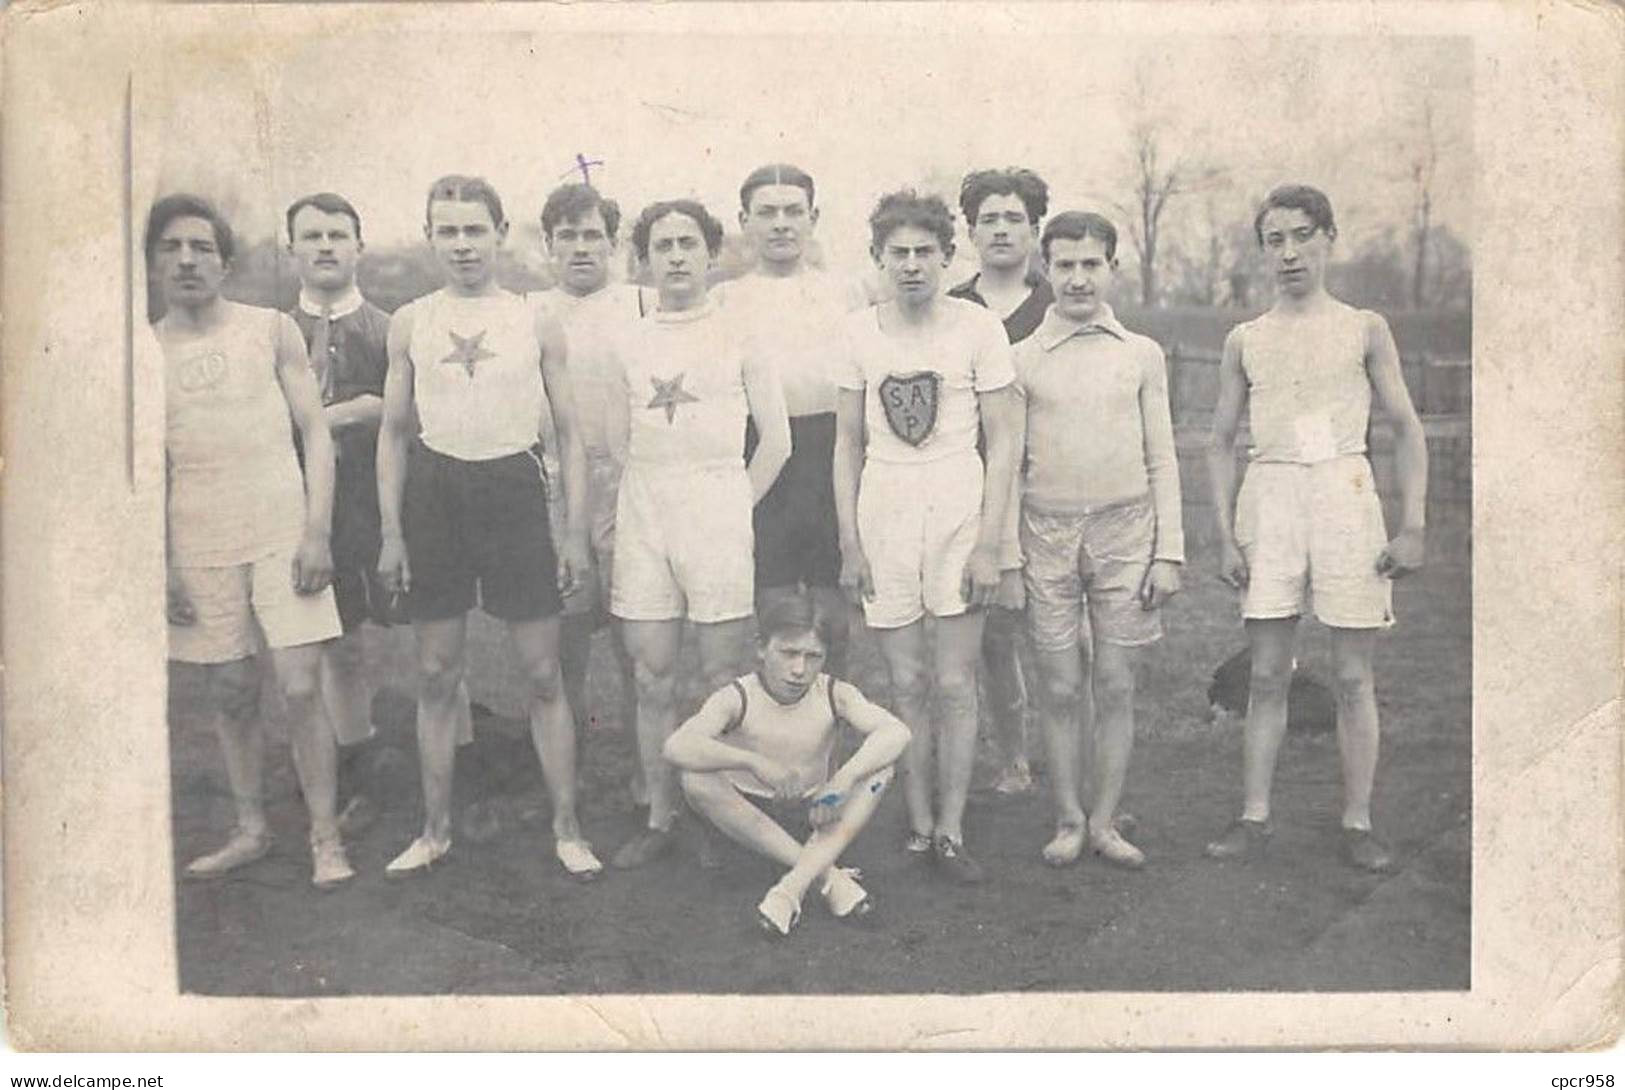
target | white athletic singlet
[
  {"x": 920, "y": 389},
  {"x": 477, "y": 377},
  {"x": 1309, "y": 397},
  {"x": 796, "y": 322},
  {"x": 799, "y": 736},
  {"x": 235, "y": 491},
  {"x": 590, "y": 325},
  {"x": 685, "y": 389}
]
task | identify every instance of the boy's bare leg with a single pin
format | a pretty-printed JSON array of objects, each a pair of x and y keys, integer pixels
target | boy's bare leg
[
  {"x": 653, "y": 646},
  {"x": 958, "y": 647},
  {"x": 817, "y": 858},
  {"x": 346, "y": 696},
  {"x": 315, "y": 754},
  {"x": 233, "y": 689},
  {"x": 1357, "y": 727},
  {"x": 629, "y": 707},
  {"x": 1061, "y": 678},
  {"x": 441, "y": 700},
  {"x": 1007, "y": 693},
  {"x": 575, "y": 650},
  {"x": 904, "y": 652},
  {"x": 721, "y": 647},
  {"x": 1271, "y": 642},
  {"x": 552, "y": 727}
]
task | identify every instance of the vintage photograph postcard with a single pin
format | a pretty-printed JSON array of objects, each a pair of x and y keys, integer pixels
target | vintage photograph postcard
[{"x": 888, "y": 526}]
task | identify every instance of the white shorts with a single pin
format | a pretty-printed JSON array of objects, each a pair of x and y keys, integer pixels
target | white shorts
[
  {"x": 238, "y": 603},
  {"x": 684, "y": 546},
  {"x": 918, "y": 524},
  {"x": 1313, "y": 533}
]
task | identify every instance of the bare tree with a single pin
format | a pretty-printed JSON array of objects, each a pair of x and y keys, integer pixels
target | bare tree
[
  {"x": 1158, "y": 177},
  {"x": 1423, "y": 163}
]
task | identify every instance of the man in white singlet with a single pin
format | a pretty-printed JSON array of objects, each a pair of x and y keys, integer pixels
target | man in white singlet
[
  {"x": 756, "y": 759},
  {"x": 1307, "y": 525},
  {"x": 685, "y": 382},
  {"x": 579, "y": 226},
  {"x": 248, "y": 542},
  {"x": 463, "y": 502},
  {"x": 922, "y": 516},
  {"x": 794, "y": 312}
]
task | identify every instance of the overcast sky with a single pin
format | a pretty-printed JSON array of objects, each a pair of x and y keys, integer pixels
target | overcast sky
[{"x": 377, "y": 117}]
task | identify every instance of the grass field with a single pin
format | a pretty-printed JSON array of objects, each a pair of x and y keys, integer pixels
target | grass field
[{"x": 502, "y": 917}]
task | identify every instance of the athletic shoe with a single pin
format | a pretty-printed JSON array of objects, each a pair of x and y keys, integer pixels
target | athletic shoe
[
  {"x": 418, "y": 857},
  {"x": 575, "y": 856},
  {"x": 643, "y": 849},
  {"x": 960, "y": 867},
  {"x": 845, "y": 898},
  {"x": 1244, "y": 839},
  {"x": 241, "y": 850},
  {"x": 1111, "y": 847},
  {"x": 1067, "y": 845},
  {"x": 917, "y": 844},
  {"x": 778, "y": 913},
  {"x": 329, "y": 867},
  {"x": 1365, "y": 851}
]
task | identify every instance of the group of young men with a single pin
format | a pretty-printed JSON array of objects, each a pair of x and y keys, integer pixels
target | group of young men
[{"x": 988, "y": 473}]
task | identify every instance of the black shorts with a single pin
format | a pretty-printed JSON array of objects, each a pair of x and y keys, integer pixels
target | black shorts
[
  {"x": 479, "y": 526},
  {"x": 797, "y": 537}
]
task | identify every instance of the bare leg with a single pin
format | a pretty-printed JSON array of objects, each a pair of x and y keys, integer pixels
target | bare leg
[
  {"x": 233, "y": 689},
  {"x": 825, "y": 845},
  {"x": 721, "y": 649},
  {"x": 1271, "y": 642},
  {"x": 574, "y": 651},
  {"x": 1061, "y": 682},
  {"x": 1114, "y": 729},
  {"x": 959, "y": 646},
  {"x": 1357, "y": 728},
  {"x": 315, "y": 755},
  {"x": 904, "y": 652},
  {"x": 346, "y": 696},
  {"x": 653, "y": 646},
  {"x": 629, "y": 707},
  {"x": 440, "y": 700},
  {"x": 1007, "y": 695},
  {"x": 552, "y": 727}
]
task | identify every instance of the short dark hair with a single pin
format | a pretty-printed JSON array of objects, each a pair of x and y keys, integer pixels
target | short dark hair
[
  {"x": 574, "y": 201},
  {"x": 1304, "y": 198},
  {"x": 331, "y": 203},
  {"x": 792, "y": 615},
  {"x": 906, "y": 208},
  {"x": 979, "y": 185},
  {"x": 774, "y": 174},
  {"x": 166, "y": 210},
  {"x": 463, "y": 187},
  {"x": 710, "y": 226},
  {"x": 1078, "y": 226}
]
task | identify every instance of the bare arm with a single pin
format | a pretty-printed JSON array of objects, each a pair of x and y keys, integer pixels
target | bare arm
[
  {"x": 766, "y": 398},
  {"x": 396, "y": 427},
  {"x": 1404, "y": 553},
  {"x": 1000, "y": 411},
  {"x": 886, "y": 736},
  {"x": 572, "y": 456},
  {"x": 697, "y": 745},
  {"x": 313, "y": 562},
  {"x": 360, "y": 409},
  {"x": 847, "y": 471},
  {"x": 1161, "y": 458},
  {"x": 1221, "y": 457}
]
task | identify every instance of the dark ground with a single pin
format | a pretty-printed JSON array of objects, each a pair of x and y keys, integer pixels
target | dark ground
[{"x": 501, "y": 917}]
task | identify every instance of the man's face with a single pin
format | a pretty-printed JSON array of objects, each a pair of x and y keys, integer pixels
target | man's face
[
  {"x": 1002, "y": 234},
  {"x": 913, "y": 259},
  {"x": 678, "y": 258},
  {"x": 1297, "y": 249},
  {"x": 465, "y": 241},
  {"x": 580, "y": 250},
  {"x": 187, "y": 262},
  {"x": 326, "y": 247},
  {"x": 778, "y": 223},
  {"x": 790, "y": 663},
  {"x": 1080, "y": 274}
]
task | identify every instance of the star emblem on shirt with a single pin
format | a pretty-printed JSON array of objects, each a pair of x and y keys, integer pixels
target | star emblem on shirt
[
  {"x": 669, "y": 394},
  {"x": 468, "y": 351}
]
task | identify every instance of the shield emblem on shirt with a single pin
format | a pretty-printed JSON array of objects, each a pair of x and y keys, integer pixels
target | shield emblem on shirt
[{"x": 910, "y": 402}]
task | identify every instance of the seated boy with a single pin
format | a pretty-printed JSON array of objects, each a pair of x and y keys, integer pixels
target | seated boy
[{"x": 758, "y": 753}]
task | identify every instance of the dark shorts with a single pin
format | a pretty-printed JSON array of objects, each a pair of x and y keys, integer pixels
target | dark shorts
[
  {"x": 788, "y": 814},
  {"x": 797, "y": 537},
  {"x": 479, "y": 527}
]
